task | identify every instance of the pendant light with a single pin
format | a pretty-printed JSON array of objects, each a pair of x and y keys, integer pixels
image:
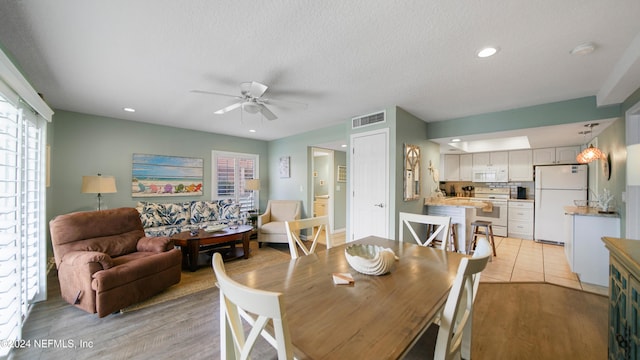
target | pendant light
[{"x": 591, "y": 153}]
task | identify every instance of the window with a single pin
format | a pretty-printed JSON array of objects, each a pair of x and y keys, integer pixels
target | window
[
  {"x": 22, "y": 225},
  {"x": 22, "y": 201},
  {"x": 230, "y": 171}
]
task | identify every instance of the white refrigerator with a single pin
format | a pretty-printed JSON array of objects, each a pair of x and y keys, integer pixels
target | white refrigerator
[{"x": 556, "y": 186}]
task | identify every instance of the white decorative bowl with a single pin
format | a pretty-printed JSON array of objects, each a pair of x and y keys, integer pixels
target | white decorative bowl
[{"x": 370, "y": 259}]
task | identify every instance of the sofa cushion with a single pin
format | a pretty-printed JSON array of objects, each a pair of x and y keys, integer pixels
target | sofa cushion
[
  {"x": 167, "y": 230},
  {"x": 283, "y": 211},
  {"x": 149, "y": 215},
  {"x": 202, "y": 211},
  {"x": 112, "y": 245},
  {"x": 131, "y": 267},
  {"x": 159, "y": 214},
  {"x": 229, "y": 210},
  {"x": 274, "y": 227},
  {"x": 174, "y": 213}
]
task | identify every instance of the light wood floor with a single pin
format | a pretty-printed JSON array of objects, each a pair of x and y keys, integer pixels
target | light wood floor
[{"x": 511, "y": 321}]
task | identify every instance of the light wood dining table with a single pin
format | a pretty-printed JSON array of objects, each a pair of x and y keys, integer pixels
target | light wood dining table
[{"x": 378, "y": 317}]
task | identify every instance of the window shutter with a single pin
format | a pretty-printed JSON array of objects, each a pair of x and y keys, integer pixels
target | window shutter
[
  {"x": 22, "y": 231},
  {"x": 230, "y": 172}
]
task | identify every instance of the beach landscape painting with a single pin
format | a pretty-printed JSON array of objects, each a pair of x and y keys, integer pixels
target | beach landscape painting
[{"x": 161, "y": 175}]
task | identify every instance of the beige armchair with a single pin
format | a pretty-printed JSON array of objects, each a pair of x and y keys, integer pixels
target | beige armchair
[{"x": 271, "y": 227}]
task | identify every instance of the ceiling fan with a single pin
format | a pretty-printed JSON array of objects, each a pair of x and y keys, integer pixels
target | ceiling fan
[{"x": 251, "y": 100}]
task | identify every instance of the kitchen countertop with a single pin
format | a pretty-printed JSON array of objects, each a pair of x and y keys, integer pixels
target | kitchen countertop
[
  {"x": 587, "y": 211},
  {"x": 454, "y": 201}
]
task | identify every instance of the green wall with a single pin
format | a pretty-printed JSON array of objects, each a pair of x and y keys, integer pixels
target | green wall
[
  {"x": 412, "y": 130},
  {"x": 612, "y": 142},
  {"x": 87, "y": 144},
  {"x": 562, "y": 112},
  {"x": 297, "y": 148}
]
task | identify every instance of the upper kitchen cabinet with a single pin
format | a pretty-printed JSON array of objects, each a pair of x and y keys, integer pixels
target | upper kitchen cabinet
[
  {"x": 491, "y": 167},
  {"x": 466, "y": 167},
  {"x": 559, "y": 155},
  {"x": 521, "y": 165},
  {"x": 450, "y": 169},
  {"x": 456, "y": 167},
  {"x": 567, "y": 154}
]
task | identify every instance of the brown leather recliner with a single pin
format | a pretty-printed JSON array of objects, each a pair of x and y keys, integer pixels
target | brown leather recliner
[{"x": 106, "y": 263}]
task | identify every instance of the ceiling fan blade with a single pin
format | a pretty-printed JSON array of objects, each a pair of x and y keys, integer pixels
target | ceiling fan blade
[
  {"x": 228, "y": 108},
  {"x": 257, "y": 89},
  {"x": 215, "y": 93},
  {"x": 267, "y": 113},
  {"x": 285, "y": 103}
]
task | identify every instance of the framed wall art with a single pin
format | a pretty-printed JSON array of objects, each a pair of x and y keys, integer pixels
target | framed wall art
[
  {"x": 283, "y": 167},
  {"x": 161, "y": 175}
]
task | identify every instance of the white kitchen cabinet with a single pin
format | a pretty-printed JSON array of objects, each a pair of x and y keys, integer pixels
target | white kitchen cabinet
[
  {"x": 521, "y": 165},
  {"x": 520, "y": 223},
  {"x": 559, "y": 155},
  {"x": 466, "y": 167},
  {"x": 567, "y": 154},
  {"x": 450, "y": 169},
  {"x": 495, "y": 161},
  {"x": 586, "y": 254},
  {"x": 544, "y": 156}
]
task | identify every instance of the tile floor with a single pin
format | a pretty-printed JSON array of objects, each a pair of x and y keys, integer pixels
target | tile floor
[{"x": 520, "y": 260}]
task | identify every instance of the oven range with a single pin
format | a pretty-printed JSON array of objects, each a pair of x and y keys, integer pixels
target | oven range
[{"x": 498, "y": 215}]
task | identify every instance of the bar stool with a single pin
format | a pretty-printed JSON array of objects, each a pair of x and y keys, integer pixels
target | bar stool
[
  {"x": 488, "y": 233},
  {"x": 453, "y": 237}
]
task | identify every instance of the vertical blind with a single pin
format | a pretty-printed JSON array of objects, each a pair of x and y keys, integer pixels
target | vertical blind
[
  {"x": 22, "y": 236},
  {"x": 230, "y": 171}
]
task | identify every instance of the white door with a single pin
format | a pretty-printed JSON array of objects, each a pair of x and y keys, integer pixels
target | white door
[{"x": 370, "y": 184}]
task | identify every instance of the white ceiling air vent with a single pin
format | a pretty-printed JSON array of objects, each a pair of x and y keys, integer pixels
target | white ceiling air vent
[{"x": 370, "y": 119}]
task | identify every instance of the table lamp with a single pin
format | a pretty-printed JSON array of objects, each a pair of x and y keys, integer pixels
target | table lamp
[
  {"x": 253, "y": 185},
  {"x": 98, "y": 185}
]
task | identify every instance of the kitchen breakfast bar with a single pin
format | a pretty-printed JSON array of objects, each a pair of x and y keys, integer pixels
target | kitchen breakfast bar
[{"x": 461, "y": 211}]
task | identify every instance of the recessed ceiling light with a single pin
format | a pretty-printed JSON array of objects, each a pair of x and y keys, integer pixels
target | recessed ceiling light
[
  {"x": 252, "y": 131},
  {"x": 343, "y": 145},
  {"x": 456, "y": 140},
  {"x": 488, "y": 51},
  {"x": 583, "y": 49},
  {"x": 128, "y": 109}
]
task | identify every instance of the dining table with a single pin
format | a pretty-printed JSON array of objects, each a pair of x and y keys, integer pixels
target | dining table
[{"x": 375, "y": 317}]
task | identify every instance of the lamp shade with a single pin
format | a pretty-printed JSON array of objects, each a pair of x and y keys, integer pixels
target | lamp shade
[
  {"x": 590, "y": 154},
  {"x": 633, "y": 165},
  {"x": 98, "y": 184},
  {"x": 252, "y": 184}
]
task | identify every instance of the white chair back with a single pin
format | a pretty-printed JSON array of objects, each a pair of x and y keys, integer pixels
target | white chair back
[
  {"x": 442, "y": 225},
  {"x": 293, "y": 234},
  {"x": 454, "y": 335},
  {"x": 237, "y": 300}
]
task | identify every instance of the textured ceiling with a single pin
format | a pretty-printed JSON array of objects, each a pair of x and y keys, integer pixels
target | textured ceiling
[{"x": 342, "y": 58}]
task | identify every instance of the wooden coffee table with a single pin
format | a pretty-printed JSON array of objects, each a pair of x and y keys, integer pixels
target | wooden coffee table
[{"x": 191, "y": 245}]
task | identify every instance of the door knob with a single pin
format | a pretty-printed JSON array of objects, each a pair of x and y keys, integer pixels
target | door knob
[{"x": 379, "y": 205}]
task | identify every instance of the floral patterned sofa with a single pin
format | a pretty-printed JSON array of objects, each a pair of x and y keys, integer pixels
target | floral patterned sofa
[{"x": 167, "y": 219}]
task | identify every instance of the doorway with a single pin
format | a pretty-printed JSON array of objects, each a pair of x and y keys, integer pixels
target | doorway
[{"x": 322, "y": 186}]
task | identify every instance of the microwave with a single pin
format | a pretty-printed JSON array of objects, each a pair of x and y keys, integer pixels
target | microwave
[{"x": 489, "y": 175}]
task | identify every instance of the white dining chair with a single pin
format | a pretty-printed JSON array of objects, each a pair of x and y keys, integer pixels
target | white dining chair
[
  {"x": 454, "y": 335},
  {"x": 237, "y": 300},
  {"x": 483, "y": 248},
  {"x": 442, "y": 225},
  {"x": 314, "y": 227}
]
